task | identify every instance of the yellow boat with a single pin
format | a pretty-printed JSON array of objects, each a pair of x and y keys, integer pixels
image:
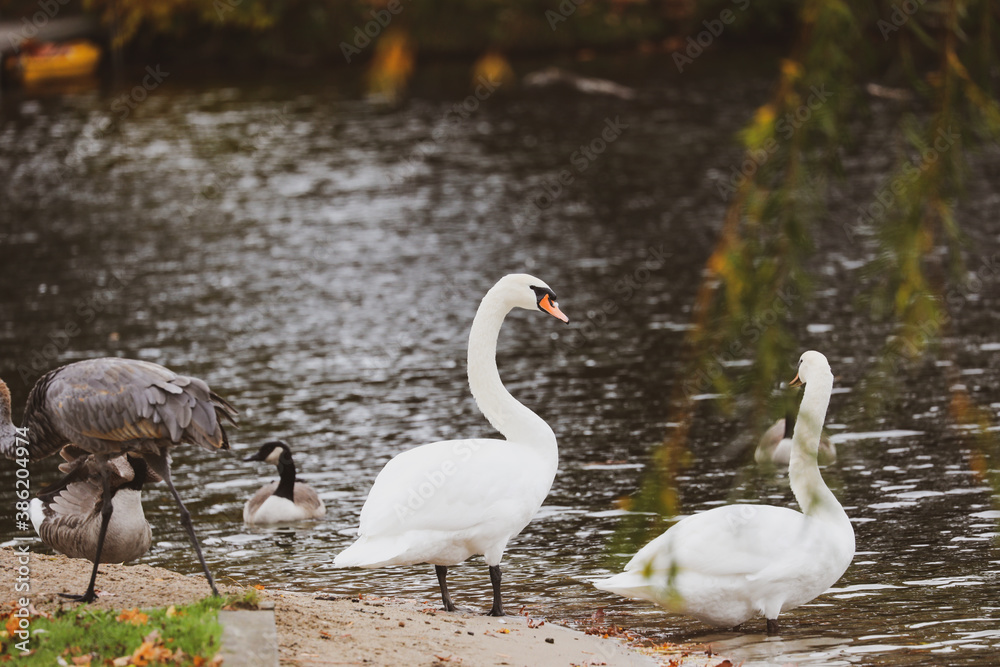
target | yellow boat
[{"x": 47, "y": 61}]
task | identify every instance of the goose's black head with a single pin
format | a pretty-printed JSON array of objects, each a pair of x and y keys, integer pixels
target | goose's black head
[{"x": 272, "y": 452}]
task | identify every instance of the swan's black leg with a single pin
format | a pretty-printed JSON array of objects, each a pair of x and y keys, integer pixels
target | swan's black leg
[
  {"x": 772, "y": 626},
  {"x": 161, "y": 464},
  {"x": 106, "y": 509},
  {"x": 736, "y": 628},
  {"x": 497, "y": 609},
  {"x": 442, "y": 573}
]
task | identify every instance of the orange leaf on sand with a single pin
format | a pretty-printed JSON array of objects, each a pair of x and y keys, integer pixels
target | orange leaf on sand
[
  {"x": 259, "y": 587},
  {"x": 12, "y": 625}
]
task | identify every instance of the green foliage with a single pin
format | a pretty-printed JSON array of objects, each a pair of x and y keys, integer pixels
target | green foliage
[
  {"x": 759, "y": 274},
  {"x": 106, "y": 635}
]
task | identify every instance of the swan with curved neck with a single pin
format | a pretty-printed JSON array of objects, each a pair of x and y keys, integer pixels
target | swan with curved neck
[
  {"x": 732, "y": 563},
  {"x": 444, "y": 502}
]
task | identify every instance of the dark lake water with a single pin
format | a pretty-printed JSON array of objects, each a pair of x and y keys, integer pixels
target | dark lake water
[{"x": 318, "y": 260}]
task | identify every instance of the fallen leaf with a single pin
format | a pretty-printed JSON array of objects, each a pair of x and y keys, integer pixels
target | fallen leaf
[{"x": 133, "y": 616}]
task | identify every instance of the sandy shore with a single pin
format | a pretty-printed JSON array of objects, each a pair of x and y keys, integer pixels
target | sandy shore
[{"x": 339, "y": 630}]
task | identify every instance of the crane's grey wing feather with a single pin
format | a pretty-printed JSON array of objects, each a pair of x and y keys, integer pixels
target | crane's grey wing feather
[{"x": 119, "y": 400}]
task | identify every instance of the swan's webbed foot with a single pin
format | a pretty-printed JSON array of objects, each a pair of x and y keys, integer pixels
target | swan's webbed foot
[
  {"x": 736, "y": 628},
  {"x": 772, "y": 626}
]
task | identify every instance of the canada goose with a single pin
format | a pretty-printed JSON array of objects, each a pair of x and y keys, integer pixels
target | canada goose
[
  {"x": 775, "y": 446},
  {"x": 111, "y": 406},
  {"x": 284, "y": 500},
  {"x": 447, "y": 501},
  {"x": 67, "y": 514},
  {"x": 731, "y": 563}
]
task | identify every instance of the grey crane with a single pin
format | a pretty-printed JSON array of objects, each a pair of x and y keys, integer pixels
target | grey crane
[{"x": 107, "y": 407}]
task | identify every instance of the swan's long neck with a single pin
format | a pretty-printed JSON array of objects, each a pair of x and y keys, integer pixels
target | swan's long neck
[
  {"x": 515, "y": 421},
  {"x": 811, "y": 492}
]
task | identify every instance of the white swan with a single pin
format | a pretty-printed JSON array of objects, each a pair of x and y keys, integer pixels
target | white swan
[
  {"x": 732, "y": 563},
  {"x": 444, "y": 502},
  {"x": 775, "y": 446},
  {"x": 286, "y": 499}
]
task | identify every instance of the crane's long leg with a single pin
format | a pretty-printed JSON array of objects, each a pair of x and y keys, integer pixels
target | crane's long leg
[
  {"x": 106, "y": 509},
  {"x": 161, "y": 465},
  {"x": 497, "y": 609},
  {"x": 442, "y": 573}
]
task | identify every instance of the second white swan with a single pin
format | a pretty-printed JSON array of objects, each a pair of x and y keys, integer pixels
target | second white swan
[
  {"x": 732, "y": 563},
  {"x": 447, "y": 501}
]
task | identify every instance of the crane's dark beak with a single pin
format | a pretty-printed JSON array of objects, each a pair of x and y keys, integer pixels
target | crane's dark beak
[{"x": 552, "y": 308}]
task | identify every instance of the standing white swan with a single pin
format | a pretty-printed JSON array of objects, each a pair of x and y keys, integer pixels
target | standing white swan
[
  {"x": 447, "y": 501},
  {"x": 732, "y": 563}
]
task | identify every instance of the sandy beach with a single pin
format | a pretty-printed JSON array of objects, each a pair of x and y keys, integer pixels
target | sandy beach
[{"x": 331, "y": 629}]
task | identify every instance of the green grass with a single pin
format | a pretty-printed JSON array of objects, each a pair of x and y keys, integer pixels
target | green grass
[{"x": 82, "y": 631}]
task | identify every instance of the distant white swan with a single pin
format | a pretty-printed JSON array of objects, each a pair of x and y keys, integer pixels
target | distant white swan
[
  {"x": 444, "y": 502},
  {"x": 286, "y": 499},
  {"x": 732, "y": 563},
  {"x": 775, "y": 446}
]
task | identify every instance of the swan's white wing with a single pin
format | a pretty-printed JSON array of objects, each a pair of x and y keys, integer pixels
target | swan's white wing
[
  {"x": 452, "y": 485},
  {"x": 446, "y": 501},
  {"x": 724, "y": 541}
]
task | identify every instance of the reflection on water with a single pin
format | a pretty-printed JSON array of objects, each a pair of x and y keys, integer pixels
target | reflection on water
[{"x": 319, "y": 262}]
